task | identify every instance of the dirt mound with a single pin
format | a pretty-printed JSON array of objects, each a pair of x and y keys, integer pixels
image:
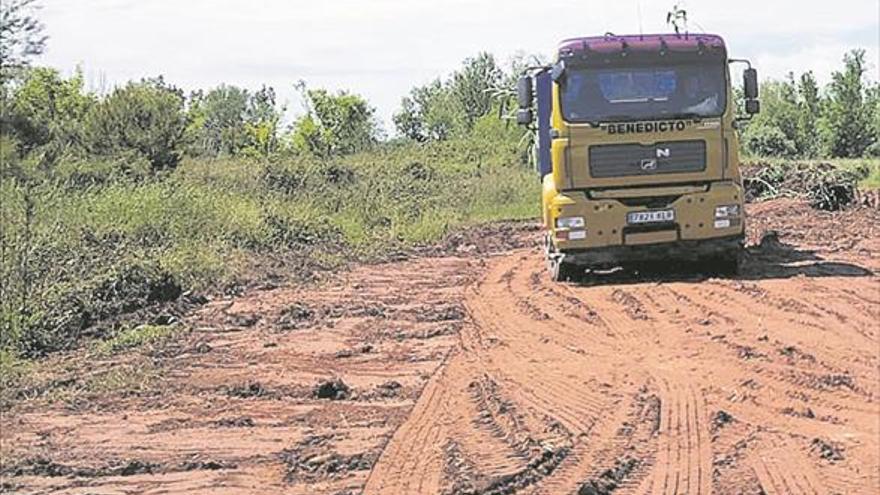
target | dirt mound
[{"x": 796, "y": 222}]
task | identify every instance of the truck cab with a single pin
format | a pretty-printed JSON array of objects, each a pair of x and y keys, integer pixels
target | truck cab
[{"x": 638, "y": 151}]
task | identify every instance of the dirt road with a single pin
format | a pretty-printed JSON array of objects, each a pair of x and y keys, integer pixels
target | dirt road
[{"x": 472, "y": 373}]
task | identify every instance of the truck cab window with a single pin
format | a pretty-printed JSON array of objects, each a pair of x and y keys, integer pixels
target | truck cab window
[{"x": 623, "y": 93}]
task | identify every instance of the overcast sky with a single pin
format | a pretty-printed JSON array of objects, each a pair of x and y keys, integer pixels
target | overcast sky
[{"x": 381, "y": 48}]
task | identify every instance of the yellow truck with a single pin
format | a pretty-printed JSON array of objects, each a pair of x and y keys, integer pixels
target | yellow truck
[{"x": 637, "y": 150}]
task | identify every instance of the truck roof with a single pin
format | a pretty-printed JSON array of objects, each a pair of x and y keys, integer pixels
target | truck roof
[{"x": 611, "y": 43}]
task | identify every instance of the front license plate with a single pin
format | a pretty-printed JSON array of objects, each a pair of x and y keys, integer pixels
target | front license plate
[{"x": 656, "y": 216}]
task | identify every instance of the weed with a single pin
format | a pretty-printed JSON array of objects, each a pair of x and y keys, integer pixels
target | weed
[
  {"x": 136, "y": 337},
  {"x": 89, "y": 240}
]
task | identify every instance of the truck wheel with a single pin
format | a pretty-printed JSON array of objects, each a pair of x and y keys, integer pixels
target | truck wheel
[
  {"x": 560, "y": 271},
  {"x": 728, "y": 264}
]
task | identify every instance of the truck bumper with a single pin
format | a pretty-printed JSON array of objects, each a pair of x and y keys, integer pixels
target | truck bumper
[
  {"x": 692, "y": 250},
  {"x": 607, "y": 236}
]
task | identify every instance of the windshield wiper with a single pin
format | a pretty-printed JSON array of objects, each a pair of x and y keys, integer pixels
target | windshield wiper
[
  {"x": 686, "y": 115},
  {"x": 611, "y": 119}
]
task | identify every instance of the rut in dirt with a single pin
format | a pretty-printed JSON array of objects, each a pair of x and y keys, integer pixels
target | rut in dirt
[
  {"x": 464, "y": 370},
  {"x": 767, "y": 383}
]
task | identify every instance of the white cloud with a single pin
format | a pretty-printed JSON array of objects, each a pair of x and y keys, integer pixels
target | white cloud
[{"x": 381, "y": 48}]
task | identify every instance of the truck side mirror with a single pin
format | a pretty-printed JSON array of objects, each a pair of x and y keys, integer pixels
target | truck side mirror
[
  {"x": 557, "y": 72},
  {"x": 750, "y": 83},
  {"x": 753, "y": 107},
  {"x": 524, "y": 93},
  {"x": 524, "y": 116}
]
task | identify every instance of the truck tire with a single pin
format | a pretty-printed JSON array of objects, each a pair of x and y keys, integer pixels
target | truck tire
[
  {"x": 729, "y": 264},
  {"x": 562, "y": 271}
]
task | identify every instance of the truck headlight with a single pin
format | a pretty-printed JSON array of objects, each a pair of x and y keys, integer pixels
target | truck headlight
[
  {"x": 570, "y": 223},
  {"x": 726, "y": 211}
]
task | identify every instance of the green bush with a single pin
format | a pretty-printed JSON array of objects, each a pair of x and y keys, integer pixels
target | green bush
[
  {"x": 147, "y": 117},
  {"x": 765, "y": 140},
  {"x": 58, "y": 316},
  {"x": 46, "y": 109},
  {"x": 336, "y": 124},
  {"x": 91, "y": 240},
  {"x": 79, "y": 173}
]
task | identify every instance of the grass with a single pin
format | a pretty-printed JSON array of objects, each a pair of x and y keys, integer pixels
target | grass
[
  {"x": 136, "y": 337},
  {"x": 91, "y": 240},
  {"x": 123, "y": 379},
  {"x": 78, "y": 378},
  {"x": 872, "y": 179},
  {"x": 13, "y": 371}
]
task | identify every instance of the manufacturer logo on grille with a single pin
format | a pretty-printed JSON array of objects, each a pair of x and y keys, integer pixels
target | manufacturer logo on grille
[
  {"x": 649, "y": 165},
  {"x": 663, "y": 153}
]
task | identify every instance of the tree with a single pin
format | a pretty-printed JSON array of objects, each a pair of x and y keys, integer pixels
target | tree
[
  {"x": 261, "y": 122},
  {"x": 775, "y": 131},
  {"x": 409, "y": 120},
  {"x": 809, "y": 113},
  {"x": 471, "y": 86},
  {"x": 146, "y": 117},
  {"x": 21, "y": 36},
  {"x": 430, "y": 112},
  {"x": 849, "y": 114},
  {"x": 46, "y": 108},
  {"x": 335, "y": 124},
  {"x": 444, "y": 117},
  {"x": 228, "y": 120},
  {"x": 874, "y": 106},
  {"x": 217, "y": 120},
  {"x": 439, "y": 110}
]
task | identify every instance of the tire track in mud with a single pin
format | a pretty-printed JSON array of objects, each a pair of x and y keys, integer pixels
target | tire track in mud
[
  {"x": 413, "y": 456},
  {"x": 563, "y": 366},
  {"x": 502, "y": 382},
  {"x": 551, "y": 391},
  {"x": 516, "y": 354},
  {"x": 782, "y": 471},
  {"x": 684, "y": 460}
]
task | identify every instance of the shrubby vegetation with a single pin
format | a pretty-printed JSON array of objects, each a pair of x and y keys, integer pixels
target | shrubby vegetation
[
  {"x": 115, "y": 202},
  {"x": 334, "y": 124},
  {"x": 231, "y": 121},
  {"x": 84, "y": 241},
  {"x": 801, "y": 120},
  {"x": 144, "y": 118},
  {"x": 448, "y": 108}
]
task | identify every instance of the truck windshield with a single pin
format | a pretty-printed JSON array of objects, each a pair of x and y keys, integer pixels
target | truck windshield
[{"x": 644, "y": 93}]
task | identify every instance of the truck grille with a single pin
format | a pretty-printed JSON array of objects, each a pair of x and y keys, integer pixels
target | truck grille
[{"x": 621, "y": 160}]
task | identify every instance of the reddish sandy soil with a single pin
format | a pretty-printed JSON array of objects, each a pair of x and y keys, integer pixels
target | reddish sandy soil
[{"x": 466, "y": 370}]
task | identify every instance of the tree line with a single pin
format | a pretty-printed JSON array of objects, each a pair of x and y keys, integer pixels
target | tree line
[
  {"x": 44, "y": 112},
  {"x": 47, "y": 115},
  {"x": 801, "y": 120}
]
